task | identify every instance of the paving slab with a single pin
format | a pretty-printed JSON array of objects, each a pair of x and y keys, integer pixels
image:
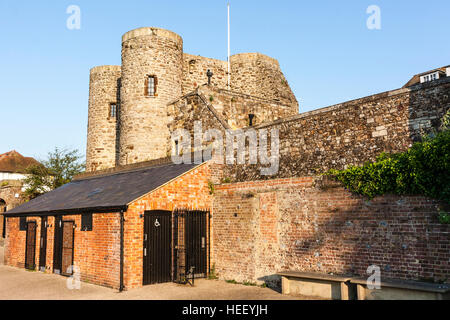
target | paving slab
[{"x": 19, "y": 284}]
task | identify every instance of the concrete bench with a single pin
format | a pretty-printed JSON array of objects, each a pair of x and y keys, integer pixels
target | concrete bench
[
  {"x": 401, "y": 290},
  {"x": 316, "y": 285}
]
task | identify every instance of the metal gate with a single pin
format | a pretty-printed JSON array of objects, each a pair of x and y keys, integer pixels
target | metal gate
[
  {"x": 157, "y": 247},
  {"x": 57, "y": 246},
  {"x": 191, "y": 238},
  {"x": 43, "y": 245},
  {"x": 30, "y": 248}
]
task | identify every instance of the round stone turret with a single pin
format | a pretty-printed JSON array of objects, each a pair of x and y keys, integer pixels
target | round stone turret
[
  {"x": 102, "y": 120},
  {"x": 152, "y": 68}
]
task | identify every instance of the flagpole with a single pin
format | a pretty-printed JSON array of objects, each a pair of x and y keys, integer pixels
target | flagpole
[{"x": 229, "y": 50}]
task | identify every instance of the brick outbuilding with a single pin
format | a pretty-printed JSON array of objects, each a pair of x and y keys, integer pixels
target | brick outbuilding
[{"x": 121, "y": 228}]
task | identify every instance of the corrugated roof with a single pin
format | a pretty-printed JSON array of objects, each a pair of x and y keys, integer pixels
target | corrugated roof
[
  {"x": 14, "y": 162},
  {"x": 108, "y": 193}
]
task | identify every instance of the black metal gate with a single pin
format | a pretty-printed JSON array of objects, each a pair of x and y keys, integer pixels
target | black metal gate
[
  {"x": 191, "y": 238},
  {"x": 157, "y": 247},
  {"x": 57, "y": 245},
  {"x": 43, "y": 245},
  {"x": 30, "y": 249}
]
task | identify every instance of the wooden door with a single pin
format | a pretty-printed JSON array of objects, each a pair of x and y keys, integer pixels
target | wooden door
[
  {"x": 67, "y": 248},
  {"x": 157, "y": 247},
  {"x": 30, "y": 248}
]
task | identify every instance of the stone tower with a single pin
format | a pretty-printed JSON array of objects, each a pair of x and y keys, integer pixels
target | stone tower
[
  {"x": 152, "y": 68},
  {"x": 102, "y": 124}
]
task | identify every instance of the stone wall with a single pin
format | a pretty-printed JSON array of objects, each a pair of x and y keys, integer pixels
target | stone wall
[
  {"x": 313, "y": 225},
  {"x": 8, "y": 194},
  {"x": 236, "y": 107},
  {"x": 261, "y": 76},
  {"x": 140, "y": 132},
  {"x": 221, "y": 109},
  {"x": 102, "y": 133},
  {"x": 353, "y": 132},
  {"x": 195, "y": 69}
]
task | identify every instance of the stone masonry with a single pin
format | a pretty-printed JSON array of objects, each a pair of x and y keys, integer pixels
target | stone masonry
[
  {"x": 102, "y": 128},
  {"x": 140, "y": 132}
]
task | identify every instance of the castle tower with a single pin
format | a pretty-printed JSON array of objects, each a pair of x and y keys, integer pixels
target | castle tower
[
  {"x": 152, "y": 67},
  {"x": 260, "y": 75},
  {"x": 102, "y": 119}
]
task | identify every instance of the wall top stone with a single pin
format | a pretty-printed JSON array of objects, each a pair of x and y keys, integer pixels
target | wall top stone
[
  {"x": 152, "y": 31},
  {"x": 359, "y": 101},
  {"x": 106, "y": 68},
  {"x": 253, "y": 56}
]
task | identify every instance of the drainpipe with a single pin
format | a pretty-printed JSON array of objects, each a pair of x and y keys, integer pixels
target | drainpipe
[{"x": 121, "y": 287}]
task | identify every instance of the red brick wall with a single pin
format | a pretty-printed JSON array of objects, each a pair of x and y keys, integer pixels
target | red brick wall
[
  {"x": 96, "y": 253},
  {"x": 189, "y": 191},
  {"x": 302, "y": 224}
]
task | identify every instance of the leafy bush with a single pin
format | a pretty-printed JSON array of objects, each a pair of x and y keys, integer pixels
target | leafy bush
[{"x": 424, "y": 169}]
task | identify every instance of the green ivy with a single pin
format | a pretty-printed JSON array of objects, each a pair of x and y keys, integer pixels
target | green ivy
[{"x": 423, "y": 170}]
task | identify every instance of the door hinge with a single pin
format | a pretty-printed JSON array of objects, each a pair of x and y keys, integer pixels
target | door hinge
[{"x": 145, "y": 252}]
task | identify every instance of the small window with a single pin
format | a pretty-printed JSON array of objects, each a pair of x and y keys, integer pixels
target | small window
[
  {"x": 150, "y": 86},
  {"x": 23, "y": 224},
  {"x": 86, "y": 222},
  {"x": 251, "y": 118},
  {"x": 113, "y": 110}
]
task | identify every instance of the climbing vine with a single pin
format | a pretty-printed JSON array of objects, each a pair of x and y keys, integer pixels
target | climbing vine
[{"x": 424, "y": 169}]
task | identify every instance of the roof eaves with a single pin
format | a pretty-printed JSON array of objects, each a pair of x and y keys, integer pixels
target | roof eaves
[{"x": 168, "y": 182}]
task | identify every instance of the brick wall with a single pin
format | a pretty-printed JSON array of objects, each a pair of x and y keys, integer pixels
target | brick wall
[
  {"x": 189, "y": 191},
  {"x": 308, "y": 224},
  {"x": 96, "y": 253}
]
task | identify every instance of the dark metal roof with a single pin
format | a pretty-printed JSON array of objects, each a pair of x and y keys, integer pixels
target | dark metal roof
[{"x": 108, "y": 193}]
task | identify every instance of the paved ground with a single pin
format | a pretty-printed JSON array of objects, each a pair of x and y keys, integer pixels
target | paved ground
[{"x": 18, "y": 284}]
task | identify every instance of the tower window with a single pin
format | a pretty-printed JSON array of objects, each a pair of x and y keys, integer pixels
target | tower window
[
  {"x": 251, "y": 118},
  {"x": 113, "y": 110},
  {"x": 150, "y": 86}
]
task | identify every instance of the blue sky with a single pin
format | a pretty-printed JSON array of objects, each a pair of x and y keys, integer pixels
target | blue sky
[{"x": 324, "y": 47}]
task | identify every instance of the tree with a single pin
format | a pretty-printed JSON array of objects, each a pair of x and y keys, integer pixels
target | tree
[{"x": 58, "y": 169}]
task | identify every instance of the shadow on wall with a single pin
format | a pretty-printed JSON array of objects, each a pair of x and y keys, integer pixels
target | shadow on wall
[{"x": 428, "y": 104}]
